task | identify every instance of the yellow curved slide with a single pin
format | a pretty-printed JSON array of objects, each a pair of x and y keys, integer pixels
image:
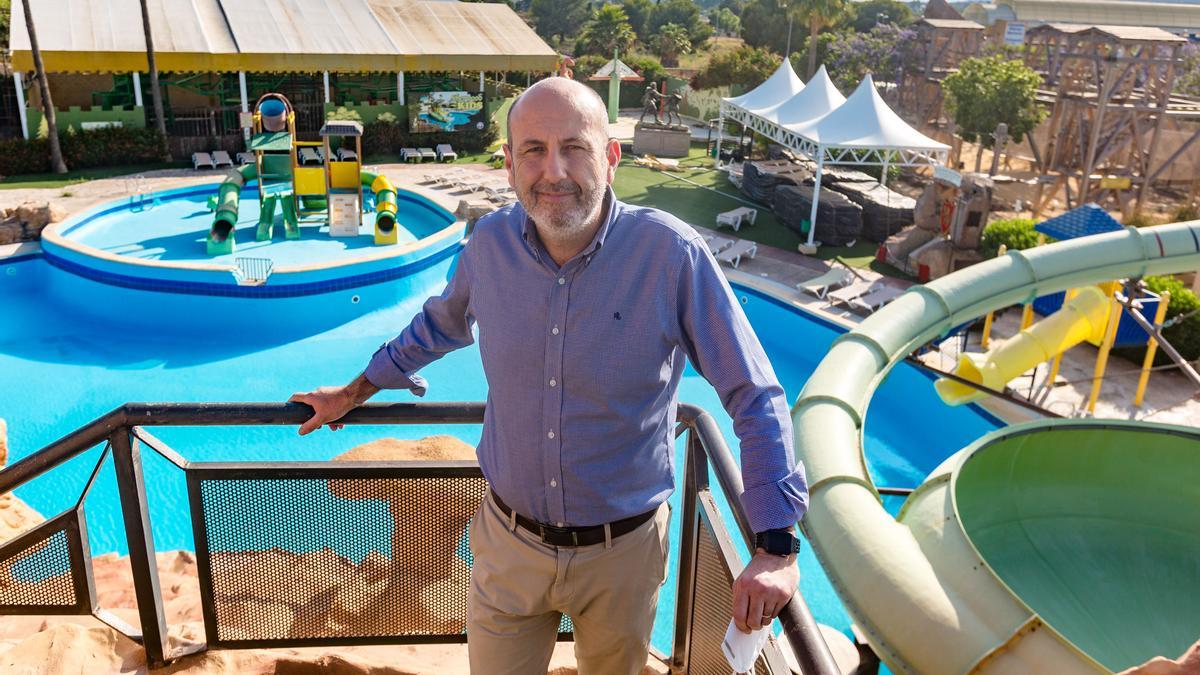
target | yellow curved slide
[{"x": 1081, "y": 318}]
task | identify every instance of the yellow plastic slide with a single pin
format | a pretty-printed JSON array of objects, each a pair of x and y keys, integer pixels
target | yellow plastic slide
[{"x": 1081, "y": 318}]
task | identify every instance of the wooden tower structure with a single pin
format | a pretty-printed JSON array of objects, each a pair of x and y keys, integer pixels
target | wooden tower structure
[{"x": 1109, "y": 89}]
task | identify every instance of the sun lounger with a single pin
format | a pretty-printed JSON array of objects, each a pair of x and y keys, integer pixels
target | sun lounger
[
  {"x": 497, "y": 189},
  {"x": 879, "y": 296},
  {"x": 309, "y": 156},
  {"x": 245, "y": 158},
  {"x": 821, "y": 285},
  {"x": 346, "y": 155},
  {"x": 737, "y": 216},
  {"x": 846, "y": 294},
  {"x": 409, "y": 155},
  {"x": 449, "y": 178},
  {"x": 427, "y": 153},
  {"x": 734, "y": 254},
  {"x": 202, "y": 160},
  {"x": 445, "y": 152},
  {"x": 717, "y": 244},
  {"x": 221, "y": 158}
]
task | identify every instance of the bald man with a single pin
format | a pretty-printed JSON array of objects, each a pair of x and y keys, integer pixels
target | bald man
[{"x": 587, "y": 311}]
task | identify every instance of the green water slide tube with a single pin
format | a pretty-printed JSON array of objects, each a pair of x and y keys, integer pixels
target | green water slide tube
[
  {"x": 1056, "y": 547},
  {"x": 220, "y": 235},
  {"x": 385, "y": 200}
]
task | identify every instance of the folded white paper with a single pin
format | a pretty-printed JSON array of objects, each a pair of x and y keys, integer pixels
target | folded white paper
[{"x": 742, "y": 649}]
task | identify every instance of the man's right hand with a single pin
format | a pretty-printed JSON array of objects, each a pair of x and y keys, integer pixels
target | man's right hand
[{"x": 331, "y": 404}]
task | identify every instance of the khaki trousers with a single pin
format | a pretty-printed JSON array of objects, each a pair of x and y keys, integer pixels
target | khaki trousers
[{"x": 521, "y": 587}]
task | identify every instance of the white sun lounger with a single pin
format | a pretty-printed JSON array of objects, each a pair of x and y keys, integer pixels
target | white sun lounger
[
  {"x": 497, "y": 189},
  {"x": 737, "y": 216},
  {"x": 734, "y": 254},
  {"x": 821, "y": 285},
  {"x": 445, "y": 152},
  {"x": 309, "y": 156},
  {"x": 346, "y": 155},
  {"x": 879, "y": 296},
  {"x": 427, "y": 153},
  {"x": 222, "y": 158},
  {"x": 717, "y": 244},
  {"x": 848, "y": 293},
  {"x": 245, "y": 158},
  {"x": 409, "y": 154},
  {"x": 202, "y": 160}
]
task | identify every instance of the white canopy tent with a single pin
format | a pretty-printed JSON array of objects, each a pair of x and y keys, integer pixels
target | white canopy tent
[
  {"x": 817, "y": 121},
  {"x": 864, "y": 131},
  {"x": 778, "y": 88}
]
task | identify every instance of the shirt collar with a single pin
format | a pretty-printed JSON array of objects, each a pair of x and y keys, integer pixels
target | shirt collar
[{"x": 611, "y": 208}]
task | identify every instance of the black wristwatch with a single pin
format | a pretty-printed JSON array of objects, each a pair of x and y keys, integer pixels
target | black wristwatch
[{"x": 778, "y": 542}]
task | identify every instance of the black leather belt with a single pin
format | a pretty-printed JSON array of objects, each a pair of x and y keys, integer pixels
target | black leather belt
[{"x": 574, "y": 536}]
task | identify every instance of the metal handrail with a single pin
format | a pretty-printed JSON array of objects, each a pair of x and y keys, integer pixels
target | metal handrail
[{"x": 119, "y": 425}]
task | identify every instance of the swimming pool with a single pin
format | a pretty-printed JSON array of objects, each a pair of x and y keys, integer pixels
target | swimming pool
[{"x": 70, "y": 351}]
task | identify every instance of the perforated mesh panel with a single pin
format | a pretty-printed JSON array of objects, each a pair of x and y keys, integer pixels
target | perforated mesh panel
[
  {"x": 314, "y": 559},
  {"x": 39, "y": 575},
  {"x": 711, "y": 610}
]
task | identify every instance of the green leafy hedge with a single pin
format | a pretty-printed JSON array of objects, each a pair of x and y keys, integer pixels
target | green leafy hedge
[
  {"x": 1015, "y": 233},
  {"x": 110, "y": 146},
  {"x": 386, "y": 138},
  {"x": 1185, "y": 335}
]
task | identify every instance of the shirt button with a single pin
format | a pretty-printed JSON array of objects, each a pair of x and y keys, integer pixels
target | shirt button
[
  {"x": 560, "y": 523},
  {"x": 554, "y": 330},
  {"x": 561, "y": 281},
  {"x": 553, "y": 483},
  {"x": 553, "y": 382},
  {"x": 551, "y": 434}
]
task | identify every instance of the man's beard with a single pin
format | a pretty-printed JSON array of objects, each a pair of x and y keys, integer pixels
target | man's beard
[{"x": 562, "y": 219}]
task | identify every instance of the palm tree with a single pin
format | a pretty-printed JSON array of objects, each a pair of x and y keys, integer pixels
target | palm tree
[
  {"x": 56, "y": 157},
  {"x": 819, "y": 14},
  {"x": 155, "y": 93}
]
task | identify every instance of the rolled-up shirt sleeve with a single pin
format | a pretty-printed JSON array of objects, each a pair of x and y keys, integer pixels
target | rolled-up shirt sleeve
[
  {"x": 721, "y": 345},
  {"x": 443, "y": 325}
]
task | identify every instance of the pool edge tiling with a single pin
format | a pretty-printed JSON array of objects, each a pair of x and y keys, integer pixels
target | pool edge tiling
[{"x": 193, "y": 278}]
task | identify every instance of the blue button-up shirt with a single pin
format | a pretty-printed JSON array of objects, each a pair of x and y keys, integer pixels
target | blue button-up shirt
[{"x": 583, "y": 364}]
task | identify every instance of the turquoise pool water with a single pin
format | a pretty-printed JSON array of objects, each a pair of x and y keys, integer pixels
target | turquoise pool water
[
  {"x": 173, "y": 227},
  {"x": 72, "y": 349}
]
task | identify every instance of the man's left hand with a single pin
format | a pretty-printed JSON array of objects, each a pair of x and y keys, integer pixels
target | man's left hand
[{"x": 763, "y": 588}]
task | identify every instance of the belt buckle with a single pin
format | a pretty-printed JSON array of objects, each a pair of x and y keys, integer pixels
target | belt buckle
[{"x": 545, "y": 531}]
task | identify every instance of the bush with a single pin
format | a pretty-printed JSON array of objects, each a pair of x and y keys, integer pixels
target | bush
[
  {"x": 1185, "y": 335},
  {"x": 746, "y": 66},
  {"x": 383, "y": 137},
  {"x": 1015, "y": 233},
  {"x": 109, "y": 146},
  {"x": 1185, "y": 213},
  {"x": 1139, "y": 219}
]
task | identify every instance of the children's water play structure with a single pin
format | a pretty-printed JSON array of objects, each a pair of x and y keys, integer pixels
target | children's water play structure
[
  {"x": 1056, "y": 546},
  {"x": 316, "y": 184}
]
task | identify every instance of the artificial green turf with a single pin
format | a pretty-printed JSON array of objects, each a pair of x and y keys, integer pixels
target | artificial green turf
[{"x": 676, "y": 194}]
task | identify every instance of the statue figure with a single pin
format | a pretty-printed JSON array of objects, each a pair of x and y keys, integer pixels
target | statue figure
[
  {"x": 672, "y": 108},
  {"x": 650, "y": 104}
]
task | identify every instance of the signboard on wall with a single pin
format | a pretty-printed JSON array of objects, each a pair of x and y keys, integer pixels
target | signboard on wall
[
  {"x": 438, "y": 111},
  {"x": 1014, "y": 33}
]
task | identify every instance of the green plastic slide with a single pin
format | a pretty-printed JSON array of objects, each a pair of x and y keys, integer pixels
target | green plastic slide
[
  {"x": 1095, "y": 526},
  {"x": 266, "y": 219},
  {"x": 291, "y": 222},
  {"x": 1058, "y": 547}
]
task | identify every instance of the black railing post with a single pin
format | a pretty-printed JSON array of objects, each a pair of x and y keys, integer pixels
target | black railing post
[
  {"x": 695, "y": 478},
  {"x": 135, "y": 513}
]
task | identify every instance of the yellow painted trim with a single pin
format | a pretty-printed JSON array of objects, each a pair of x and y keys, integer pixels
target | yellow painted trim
[{"x": 122, "y": 62}]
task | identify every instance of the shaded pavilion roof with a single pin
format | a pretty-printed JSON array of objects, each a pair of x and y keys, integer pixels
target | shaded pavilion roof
[{"x": 279, "y": 36}]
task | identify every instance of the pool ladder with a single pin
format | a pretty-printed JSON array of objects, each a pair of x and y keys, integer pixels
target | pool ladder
[{"x": 139, "y": 199}]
